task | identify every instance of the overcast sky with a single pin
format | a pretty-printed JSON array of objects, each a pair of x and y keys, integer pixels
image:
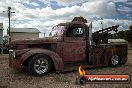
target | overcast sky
[{"x": 44, "y": 14}]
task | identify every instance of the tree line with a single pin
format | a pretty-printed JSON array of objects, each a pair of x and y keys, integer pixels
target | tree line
[{"x": 127, "y": 35}]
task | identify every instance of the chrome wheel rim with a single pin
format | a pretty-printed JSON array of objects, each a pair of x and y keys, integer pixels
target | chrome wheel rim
[
  {"x": 115, "y": 60},
  {"x": 41, "y": 65}
]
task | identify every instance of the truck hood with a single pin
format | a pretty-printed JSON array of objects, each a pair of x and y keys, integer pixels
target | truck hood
[{"x": 37, "y": 41}]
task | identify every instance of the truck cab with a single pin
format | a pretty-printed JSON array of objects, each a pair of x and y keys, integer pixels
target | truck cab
[{"x": 69, "y": 44}]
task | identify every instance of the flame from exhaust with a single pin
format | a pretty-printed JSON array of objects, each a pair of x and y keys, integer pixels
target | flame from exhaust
[{"x": 81, "y": 71}]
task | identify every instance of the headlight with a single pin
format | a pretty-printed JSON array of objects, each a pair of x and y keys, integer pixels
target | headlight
[{"x": 12, "y": 53}]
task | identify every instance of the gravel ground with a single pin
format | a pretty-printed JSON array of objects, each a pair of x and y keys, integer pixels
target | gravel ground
[{"x": 22, "y": 79}]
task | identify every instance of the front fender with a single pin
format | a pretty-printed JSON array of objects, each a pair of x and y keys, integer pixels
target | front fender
[{"x": 58, "y": 63}]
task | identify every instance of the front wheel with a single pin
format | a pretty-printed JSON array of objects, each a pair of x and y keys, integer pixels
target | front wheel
[
  {"x": 39, "y": 65},
  {"x": 115, "y": 60}
]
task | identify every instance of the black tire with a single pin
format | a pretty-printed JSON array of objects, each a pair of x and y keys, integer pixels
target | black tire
[
  {"x": 114, "y": 61},
  {"x": 39, "y": 65}
]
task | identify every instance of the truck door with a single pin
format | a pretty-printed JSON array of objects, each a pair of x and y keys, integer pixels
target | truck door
[{"x": 74, "y": 45}]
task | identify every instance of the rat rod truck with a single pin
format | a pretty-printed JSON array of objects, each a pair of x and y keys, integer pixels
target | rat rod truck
[{"x": 69, "y": 44}]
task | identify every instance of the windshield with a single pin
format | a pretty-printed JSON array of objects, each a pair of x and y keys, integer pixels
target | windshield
[{"x": 57, "y": 31}]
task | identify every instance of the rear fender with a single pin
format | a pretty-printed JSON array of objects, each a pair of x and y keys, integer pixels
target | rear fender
[{"x": 58, "y": 63}]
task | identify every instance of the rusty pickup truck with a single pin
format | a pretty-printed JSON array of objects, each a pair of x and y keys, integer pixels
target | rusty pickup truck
[{"x": 69, "y": 44}]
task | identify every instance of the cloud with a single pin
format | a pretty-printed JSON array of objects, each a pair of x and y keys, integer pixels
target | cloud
[
  {"x": 124, "y": 9},
  {"x": 64, "y": 2},
  {"x": 129, "y": 3},
  {"x": 34, "y": 4},
  {"x": 110, "y": 22},
  {"x": 45, "y": 18},
  {"x": 120, "y": 1},
  {"x": 75, "y": 2},
  {"x": 86, "y": 10},
  {"x": 30, "y": 2}
]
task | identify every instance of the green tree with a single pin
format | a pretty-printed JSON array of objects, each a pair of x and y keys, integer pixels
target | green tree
[
  {"x": 130, "y": 27},
  {"x": 129, "y": 34}
]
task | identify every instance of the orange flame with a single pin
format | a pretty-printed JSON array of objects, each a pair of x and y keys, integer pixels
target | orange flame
[{"x": 81, "y": 71}]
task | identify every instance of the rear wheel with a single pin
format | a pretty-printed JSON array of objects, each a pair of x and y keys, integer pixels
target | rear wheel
[
  {"x": 39, "y": 65},
  {"x": 115, "y": 60}
]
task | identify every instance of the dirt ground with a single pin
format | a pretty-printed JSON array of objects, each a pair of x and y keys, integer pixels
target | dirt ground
[{"x": 22, "y": 79}]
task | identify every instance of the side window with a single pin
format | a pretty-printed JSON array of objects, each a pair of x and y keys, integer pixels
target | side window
[{"x": 75, "y": 32}]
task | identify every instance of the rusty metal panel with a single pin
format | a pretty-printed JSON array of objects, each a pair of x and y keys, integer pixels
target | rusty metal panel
[
  {"x": 74, "y": 51},
  {"x": 58, "y": 63},
  {"x": 103, "y": 53},
  {"x": 68, "y": 49}
]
